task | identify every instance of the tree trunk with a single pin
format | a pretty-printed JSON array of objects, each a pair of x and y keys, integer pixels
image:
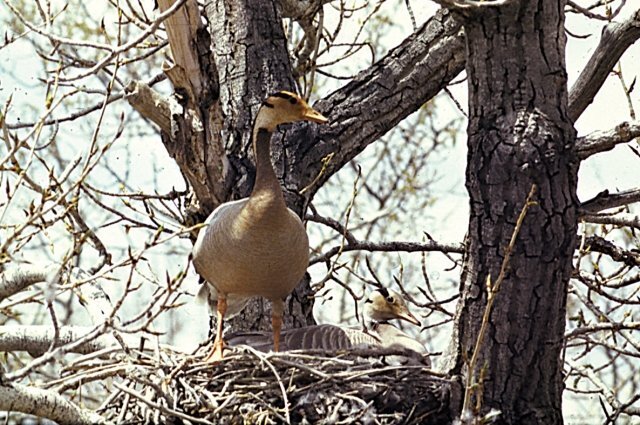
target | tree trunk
[{"x": 519, "y": 134}]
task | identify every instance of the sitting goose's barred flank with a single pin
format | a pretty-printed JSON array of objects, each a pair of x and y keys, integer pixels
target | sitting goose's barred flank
[
  {"x": 256, "y": 246},
  {"x": 381, "y": 306}
]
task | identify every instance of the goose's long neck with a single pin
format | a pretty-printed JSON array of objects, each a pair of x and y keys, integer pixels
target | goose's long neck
[{"x": 266, "y": 183}]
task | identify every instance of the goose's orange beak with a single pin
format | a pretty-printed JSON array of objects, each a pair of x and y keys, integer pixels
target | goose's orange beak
[{"x": 312, "y": 115}]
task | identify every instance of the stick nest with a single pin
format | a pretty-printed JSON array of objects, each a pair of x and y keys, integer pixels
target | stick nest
[{"x": 249, "y": 387}]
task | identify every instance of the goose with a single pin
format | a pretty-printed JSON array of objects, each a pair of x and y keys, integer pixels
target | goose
[
  {"x": 381, "y": 306},
  {"x": 255, "y": 246}
]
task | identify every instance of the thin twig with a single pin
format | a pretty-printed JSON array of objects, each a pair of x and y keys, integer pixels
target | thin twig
[{"x": 492, "y": 291}]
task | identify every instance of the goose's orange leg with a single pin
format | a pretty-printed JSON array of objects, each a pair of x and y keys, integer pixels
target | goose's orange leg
[
  {"x": 218, "y": 344},
  {"x": 276, "y": 323}
]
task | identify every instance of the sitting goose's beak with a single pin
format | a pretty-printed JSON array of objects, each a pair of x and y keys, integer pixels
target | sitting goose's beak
[{"x": 406, "y": 315}]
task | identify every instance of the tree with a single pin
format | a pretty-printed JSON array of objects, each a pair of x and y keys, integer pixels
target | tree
[
  {"x": 520, "y": 136},
  {"x": 509, "y": 340}
]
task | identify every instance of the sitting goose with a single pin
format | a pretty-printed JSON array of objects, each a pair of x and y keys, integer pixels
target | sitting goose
[
  {"x": 256, "y": 246},
  {"x": 381, "y": 306}
]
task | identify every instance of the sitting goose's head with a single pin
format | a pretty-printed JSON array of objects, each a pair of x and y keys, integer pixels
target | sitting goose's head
[
  {"x": 385, "y": 304},
  {"x": 285, "y": 107}
]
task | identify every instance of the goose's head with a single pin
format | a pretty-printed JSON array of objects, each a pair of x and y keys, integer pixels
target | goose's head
[
  {"x": 285, "y": 107},
  {"x": 385, "y": 304}
]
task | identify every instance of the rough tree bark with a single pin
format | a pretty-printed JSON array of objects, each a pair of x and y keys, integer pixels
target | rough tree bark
[{"x": 519, "y": 134}]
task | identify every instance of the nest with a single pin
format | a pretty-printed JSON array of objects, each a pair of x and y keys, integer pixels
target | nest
[{"x": 355, "y": 387}]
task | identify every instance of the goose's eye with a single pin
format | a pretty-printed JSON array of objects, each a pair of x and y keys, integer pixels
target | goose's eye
[{"x": 390, "y": 300}]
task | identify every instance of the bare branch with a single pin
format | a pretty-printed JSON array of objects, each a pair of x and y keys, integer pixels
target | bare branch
[
  {"x": 407, "y": 77},
  {"x": 601, "y": 141},
  {"x": 576, "y": 8},
  {"x": 19, "y": 278},
  {"x": 115, "y": 51},
  {"x": 45, "y": 404},
  {"x": 599, "y": 244},
  {"x": 56, "y": 40},
  {"x": 304, "y": 12},
  {"x": 333, "y": 224},
  {"x": 86, "y": 111},
  {"x": 628, "y": 220},
  {"x": 150, "y": 104},
  {"x": 390, "y": 247},
  {"x": 37, "y": 339},
  {"x": 196, "y": 123},
  {"x": 616, "y": 39},
  {"x": 599, "y": 327},
  {"x": 472, "y": 4},
  {"x": 181, "y": 31},
  {"x": 605, "y": 200}
]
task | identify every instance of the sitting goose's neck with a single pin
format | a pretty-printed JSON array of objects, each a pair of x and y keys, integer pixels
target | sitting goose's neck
[{"x": 370, "y": 325}]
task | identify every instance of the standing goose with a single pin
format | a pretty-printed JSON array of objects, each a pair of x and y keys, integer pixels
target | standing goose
[
  {"x": 256, "y": 246},
  {"x": 381, "y": 306}
]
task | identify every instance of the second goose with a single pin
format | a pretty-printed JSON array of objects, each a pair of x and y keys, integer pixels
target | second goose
[{"x": 381, "y": 306}]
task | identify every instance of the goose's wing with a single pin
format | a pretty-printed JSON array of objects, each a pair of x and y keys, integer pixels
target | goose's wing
[
  {"x": 204, "y": 252},
  {"x": 320, "y": 337},
  {"x": 211, "y": 237},
  {"x": 328, "y": 337},
  {"x": 261, "y": 341}
]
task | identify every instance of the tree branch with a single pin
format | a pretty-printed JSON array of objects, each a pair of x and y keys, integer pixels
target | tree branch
[
  {"x": 19, "y": 278},
  {"x": 333, "y": 224},
  {"x": 44, "y": 404},
  {"x": 85, "y": 111},
  {"x": 389, "y": 247},
  {"x": 37, "y": 339},
  {"x": 472, "y": 4},
  {"x": 599, "y": 327},
  {"x": 195, "y": 111},
  {"x": 150, "y": 104},
  {"x": 627, "y": 220},
  {"x": 615, "y": 40},
  {"x": 601, "y": 141},
  {"x": 599, "y": 244},
  {"x": 182, "y": 27},
  {"x": 605, "y": 200},
  {"x": 390, "y": 90}
]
